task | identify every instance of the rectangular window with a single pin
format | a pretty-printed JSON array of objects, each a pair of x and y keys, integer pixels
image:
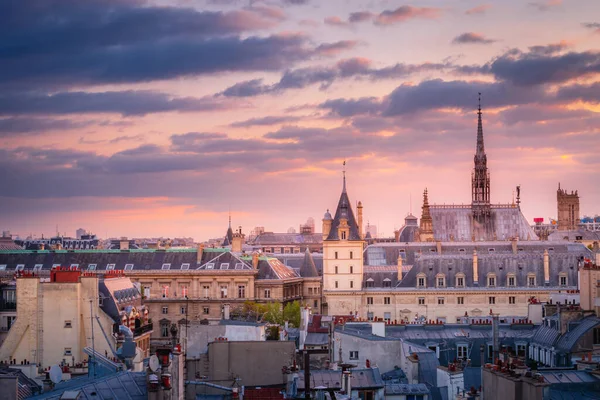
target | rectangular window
[
  {"x": 531, "y": 281},
  {"x": 165, "y": 310},
  {"x": 421, "y": 300},
  {"x": 351, "y": 269},
  {"x": 336, "y": 284},
  {"x": 421, "y": 282},
  {"x": 165, "y": 292},
  {"x": 166, "y": 266},
  {"x": 369, "y": 300},
  {"x": 91, "y": 267},
  {"x": 441, "y": 300},
  {"x": 351, "y": 284},
  {"x": 184, "y": 291},
  {"x": 460, "y": 300},
  {"x": 491, "y": 281},
  {"x": 460, "y": 282},
  {"x": 511, "y": 281},
  {"x": 335, "y": 255},
  {"x": 336, "y": 269},
  {"x": 351, "y": 255},
  {"x": 128, "y": 267},
  {"x": 223, "y": 292},
  {"x": 310, "y": 290},
  {"x": 491, "y": 300},
  {"x": 164, "y": 330},
  {"x": 68, "y": 324},
  {"x": 354, "y": 355},
  {"x": 185, "y": 266},
  {"x": 183, "y": 310},
  {"x": 370, "y": 315},
  {"x": 440, "y": 282},
  {"x": 461, "y": 352},
  {"x": 147, "y": 292},
  {"x": 206, "y": 310},
  {"x": 267, "y": 293},
  {"x": 521, "y": 350},
  {"x": 110, "y": 267},
  {"x": 241, "y": 292},
  {"x": 206, "y": 290},
  {"x": 343, "y": 235},
  {"x": 387, "y": 316},
  {"x": 386, "y": 300},
  {"x": 511, "y": 299},
  {"x": 68, "y": 351},
  {"x": 563, "y": 281}
]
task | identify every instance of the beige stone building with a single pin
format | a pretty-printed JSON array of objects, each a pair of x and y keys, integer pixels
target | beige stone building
[{"x": 55, "y": 318}]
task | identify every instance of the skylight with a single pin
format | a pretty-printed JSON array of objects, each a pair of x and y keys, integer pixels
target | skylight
[
  {"x": 224, "y": 265},
  {"x": 166, "y": 266},
  {"x": 110, "y": 267},
  {"x": 185, "y": 266},
  {"x": 128, "y": 267},
  {"x": 91, "y": 267}
]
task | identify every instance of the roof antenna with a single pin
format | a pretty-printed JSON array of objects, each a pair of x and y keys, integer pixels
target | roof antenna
[{"x": 410, "y": 202}]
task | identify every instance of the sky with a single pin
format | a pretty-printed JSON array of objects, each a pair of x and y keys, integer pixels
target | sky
[{"x": 159, "y": 118}]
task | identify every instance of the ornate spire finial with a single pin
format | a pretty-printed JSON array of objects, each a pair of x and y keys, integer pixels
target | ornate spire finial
[
  {"x": 230, "y": 217},
  {"x": 479, "y": 108},
  {"x": 344, "y": 173}
]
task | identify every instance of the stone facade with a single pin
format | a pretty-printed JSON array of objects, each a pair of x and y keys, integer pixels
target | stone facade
[{"x": 568, "y": 210}]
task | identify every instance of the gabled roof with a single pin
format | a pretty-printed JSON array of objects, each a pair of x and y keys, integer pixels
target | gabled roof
[
  {"x": 272, "y": 268},
  {"x": 344, "y": 210},
  {"x": 308, "y": 268}
]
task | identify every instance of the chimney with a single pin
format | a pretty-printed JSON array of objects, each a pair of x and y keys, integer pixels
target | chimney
[
  {"x": 58, "y": 246},
  {"x": 42, "y": 246},
  {"x": 237, "y": 241},
  {"x": 255, "y": 260},
  {"x": 399, "y": 267},
  {"x": 546, "y": 267},
  {"x": 200, "y": 252},
  {"x": 438, "y": 246},
  {"x": 124, "y": 244},
  {"x": 475, "y": 269},
  {"x": 326, "y": 224},
  {"x": 514, "y": 241},
  {"x": 359, "y": 211}
]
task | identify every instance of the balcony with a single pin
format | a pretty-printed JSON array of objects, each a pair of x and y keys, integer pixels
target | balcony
[
  {"x": 142, "y": 330},
  {"x": 8, "y": 305}
]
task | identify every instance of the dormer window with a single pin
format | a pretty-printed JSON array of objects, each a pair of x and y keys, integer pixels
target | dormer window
[
  {"x": 343, "y": 235},
  {"x": 421, "y": 281},
  {"x": 370, "y": 283},
  {"x": 460, "y": 280},
  {"x": 440, "y": 280},
  {"x": 491, "y": 280},
  {"x": 387, "y": 282}
]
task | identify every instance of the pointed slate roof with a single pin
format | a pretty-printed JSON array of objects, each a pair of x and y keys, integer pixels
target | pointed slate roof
[
  {"x": 344, "y": 210},
  {"x": 308, "y": 268},
  {"x": 229, "y": 235}
]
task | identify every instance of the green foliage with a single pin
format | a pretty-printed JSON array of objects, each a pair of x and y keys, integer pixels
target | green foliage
[
  {"x": 291, "y": 313},
  {"x": 273, "y": 332}
]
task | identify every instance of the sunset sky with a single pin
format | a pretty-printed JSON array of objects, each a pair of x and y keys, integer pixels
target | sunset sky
[{"x": 155, "y": 118}]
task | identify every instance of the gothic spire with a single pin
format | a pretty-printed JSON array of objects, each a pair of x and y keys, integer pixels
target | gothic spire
[
  {"x": 480, "y": 146},
  {"x": 344, "y": 173}
]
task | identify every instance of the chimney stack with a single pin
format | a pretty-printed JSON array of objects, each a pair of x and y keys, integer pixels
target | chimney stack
[
  {"x": 399, "y": 267},
  {"x": 514, "y": 241},
  {"x": 200, "y": 253},
  {"x": 359, "y": 211},
  {"x": 475, "y": 269},
  {"x": 546, "y": 267},
  {"x": 237, "y": 241},
  {"x": 255, "y": 260}
]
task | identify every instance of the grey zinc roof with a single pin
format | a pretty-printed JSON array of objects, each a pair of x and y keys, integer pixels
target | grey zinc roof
[
  {"x": 344, "y": 210},
  {"x": 570, "y": 339},
  {"x": 406, "y": 389},
  {"x": 456, "y": 223},
  {"x": 270, "y": 238},
  {"x": 308, "y": 268},
  {"x": 296, "y": 260},
  {"x": 410, "y": 230},
  {"x": 122, "y": 386},
  {"x": 316, "y": 339},
  {"x": 369, "y": 378}
]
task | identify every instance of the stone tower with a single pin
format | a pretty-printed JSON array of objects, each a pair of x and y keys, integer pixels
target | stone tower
[
  {"x": 426, "y": 226},
  {"x": 568, "y": 209},
  {"x": 480, "y": 179}
]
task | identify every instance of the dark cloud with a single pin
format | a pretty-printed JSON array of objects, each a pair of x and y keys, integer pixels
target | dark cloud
[
  {"x": 539, "y": 67},
  {"x": 592, "y": 25},
  {"x": 437, "y": 94},
  {"x": 360, "y": 16},
  {"x": 266, "y": 121},
  {"x": 587, "y": 93},
  {"x": 71, "y": 42},
  {"x": 133, "y": 102},
  {"x": 472, "y": 38},
  {"x": 351, "y": 107},
  {"x": 356, "y": 67},
  {"x": 540, "y": 113},
  {"x": 545, "y": 5},
  {"x": 549, "y": 49},
  {"x": 331, "y": 49},
  {"x": 479, "y": 9},
  {"x": 35, "y": 126},
  {"x": 405, "y": 13}
]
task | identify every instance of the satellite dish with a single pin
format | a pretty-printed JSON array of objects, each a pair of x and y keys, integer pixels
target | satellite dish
[
  {"x": 153, "y": 363},
  {"x": 55, "y": 374}
]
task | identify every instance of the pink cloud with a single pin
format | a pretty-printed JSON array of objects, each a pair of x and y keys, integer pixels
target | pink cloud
[
  {"x": 405, "y": 13},
  {"x": 479, "y": 9}
]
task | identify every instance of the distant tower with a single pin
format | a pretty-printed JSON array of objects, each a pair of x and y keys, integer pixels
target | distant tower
[
  {"x": 426, "y": 226},
  {"x": 480, "y": 179},
  {"x": 568, "y": 209}
]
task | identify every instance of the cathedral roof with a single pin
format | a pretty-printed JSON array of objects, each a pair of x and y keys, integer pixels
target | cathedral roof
[
  {"x": 308, "y": 268},
  {"x": 344, "y": 210}
]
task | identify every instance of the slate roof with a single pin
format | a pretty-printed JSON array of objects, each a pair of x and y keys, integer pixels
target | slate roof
[
  {"x": 270, "y": 238},
  {"x": 308, "y": 268},
  {"x": 122, "y": 386},
  {"x": 6, "y": 243},
  {"x": 456, "y": 223},
  {"x": 493, "y": 257},
  {"x": 570, "y": 339},
  {"x": 316, "y": 339},
  {"x": 228, "y": 239},
  {"x": 26, "y": 386},
  {"x": 368, "y": 378},
  {"x": 344, "y": 209},
  {"x": 574, "y": 235},
  {"x": 272, "y": 268},
  {"x": 406, "y": 389},
  {"x": 410, "y": 229},
  {"x": 295, "y": 261}
]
